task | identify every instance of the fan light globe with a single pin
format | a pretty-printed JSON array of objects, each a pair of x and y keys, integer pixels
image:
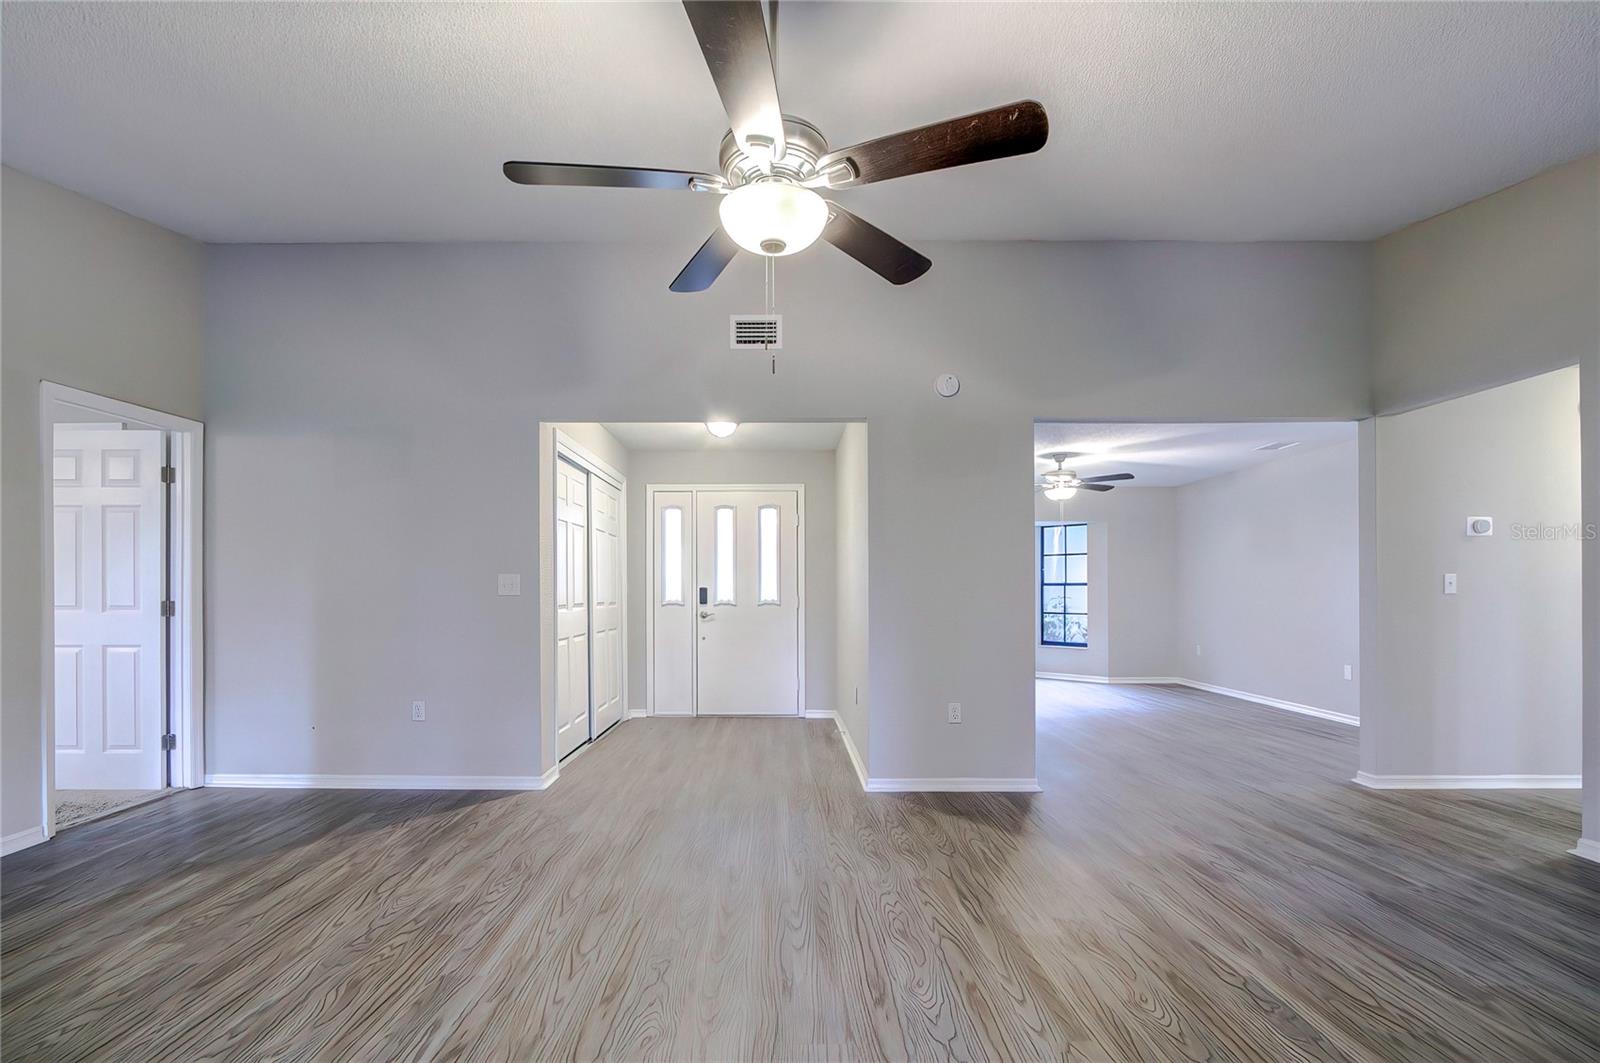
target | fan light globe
[
  {"x": 773, "y": 218},
  {"x": 1060, "y": 494},
  {"x": 722, "y": 429}
]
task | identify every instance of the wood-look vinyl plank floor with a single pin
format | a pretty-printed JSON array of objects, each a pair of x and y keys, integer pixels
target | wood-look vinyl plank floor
[{"x": 1199, "y": 880}]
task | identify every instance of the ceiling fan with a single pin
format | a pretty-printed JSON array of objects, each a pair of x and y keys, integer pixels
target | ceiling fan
[
  {"x": 773, "y": 164},
  {"x": 1061, "y": 483}
]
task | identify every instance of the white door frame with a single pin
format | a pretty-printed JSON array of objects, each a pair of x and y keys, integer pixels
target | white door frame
[
  {"x": 185, "y": 655},
  {"x": 570, "y": 450},
  {"x": 650, "y": 581}
]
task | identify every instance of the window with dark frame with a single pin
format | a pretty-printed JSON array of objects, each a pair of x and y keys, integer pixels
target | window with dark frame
[{"x": 1064, "y": 585}]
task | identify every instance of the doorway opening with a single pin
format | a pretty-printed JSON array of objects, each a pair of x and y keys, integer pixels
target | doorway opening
[
  {"x": 766, "y": 522},
  {"x": 123, "y": 662},
  {"x": 1185, "y": 568}
]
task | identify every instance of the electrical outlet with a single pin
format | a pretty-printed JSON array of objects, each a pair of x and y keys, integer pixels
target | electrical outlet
[
  {"x": 419, "y": 710},
  {"x": 1347, "y": 674},
  {"x": 1197, "y": 649},
  {"x": 508, "y": 584},
  {"x": 955, "y": 712}
]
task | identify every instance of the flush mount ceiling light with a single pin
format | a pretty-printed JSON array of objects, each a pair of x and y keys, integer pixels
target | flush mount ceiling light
[
  {"x": 773, "y": 218},
  {"x": 772, "y": 165},
  {"x": 722, "y": 429}
]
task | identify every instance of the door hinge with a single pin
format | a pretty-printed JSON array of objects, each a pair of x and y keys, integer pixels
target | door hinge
[
  {"x": 169, "y": 742},
  {"x": 169, "y": 475},
  {"x": 169, "y": 608}
]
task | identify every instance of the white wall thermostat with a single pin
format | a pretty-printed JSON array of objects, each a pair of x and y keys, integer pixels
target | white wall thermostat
[
  {"x": 947, "y": 384},
  {"x": 1480, "y": 525}
]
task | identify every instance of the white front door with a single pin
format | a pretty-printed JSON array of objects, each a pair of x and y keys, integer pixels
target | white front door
[
  {"x": 605, "y": 552},
  {"x": 747, "y": 566},
  {"x": 572, "y": 607},
  {"x": 109, "y": 672}
]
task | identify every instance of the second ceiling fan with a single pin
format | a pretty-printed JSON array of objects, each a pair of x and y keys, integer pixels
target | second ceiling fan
[
  {"x": 772, "y": 164},
  {"x": 1062, "y": 483}
]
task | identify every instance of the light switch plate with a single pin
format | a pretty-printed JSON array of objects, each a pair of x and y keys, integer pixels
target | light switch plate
[
  {"x": 510, "y": 584},
  {"x": 1449, "y": 582},
  {"x": 1347, "y": 672}
]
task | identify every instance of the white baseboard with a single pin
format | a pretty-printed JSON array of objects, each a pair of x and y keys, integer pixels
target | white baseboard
[
  {"x": 1242, "y": 695},
  {"x": 387, "y": 782},
  {"x": 819, "y": 714},
  {"x": 23, "y": 839},
  {"x": 1276, "y": 703},
  {"x": 953, "y": 786},
  {"x": 1587, "y": 848},
  {"x": 1069, "y": 677},
  {"x": 1469, "y": 782},
  {"x": 636, "y": 714},
  {"x": 850, "y": 748}
]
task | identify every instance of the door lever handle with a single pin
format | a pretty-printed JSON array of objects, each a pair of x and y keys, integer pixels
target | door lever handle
[{"x": 705, "y": 614}]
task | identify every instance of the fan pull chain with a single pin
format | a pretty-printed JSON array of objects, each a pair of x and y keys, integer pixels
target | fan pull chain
[{"x": 772, "y": 300}]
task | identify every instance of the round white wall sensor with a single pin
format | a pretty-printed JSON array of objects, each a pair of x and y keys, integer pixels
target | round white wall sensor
[{"x": 947, "y": 385}]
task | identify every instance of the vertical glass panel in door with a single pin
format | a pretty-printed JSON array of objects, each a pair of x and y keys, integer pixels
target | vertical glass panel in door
[
  {"x": 724, "y": 556},
  {"x": 671, "y": 560},
  {"x": 767, "y": 548}
]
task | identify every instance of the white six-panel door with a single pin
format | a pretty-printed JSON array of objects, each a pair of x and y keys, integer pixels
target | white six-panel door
[
  {"x": 572, "y": 607},
  {"x": 109, "y": 530},
  {"x": 748, "y": 645},
  {"x": 605, "y": 551}
]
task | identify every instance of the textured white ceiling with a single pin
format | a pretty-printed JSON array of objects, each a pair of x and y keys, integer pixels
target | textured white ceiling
[
  {"x": 1171, "y": 455},
  {"x": 369, "y": 121},
  {"x": 692, "y": 435}
]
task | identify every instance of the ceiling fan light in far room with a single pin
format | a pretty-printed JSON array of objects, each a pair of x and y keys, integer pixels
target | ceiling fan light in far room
[
  {"x": 722, "y": 429},
  {"x": 1060, "y": 494},
  {"x": 773, "y": 218}
]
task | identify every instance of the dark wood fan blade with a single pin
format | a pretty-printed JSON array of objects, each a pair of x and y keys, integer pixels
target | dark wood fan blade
[
  {"x": 733, "y": 39},
  {"x": 563, "y": 173},
  {"x": 872, "y": 247},
  {"x": 1015, "y": 129},
  {"x": 707, "y": 264},
  {"x": 1094, "y": 487},
  {"x": 1108, "y": 479}
]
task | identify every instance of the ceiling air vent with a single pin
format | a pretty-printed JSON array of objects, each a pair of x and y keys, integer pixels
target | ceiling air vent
[
  {"x": 1283, "y": 444},
  {"x": 759, "y": 331}
]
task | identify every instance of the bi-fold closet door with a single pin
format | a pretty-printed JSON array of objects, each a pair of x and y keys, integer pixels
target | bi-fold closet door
[{"x": 588, "y": 599}]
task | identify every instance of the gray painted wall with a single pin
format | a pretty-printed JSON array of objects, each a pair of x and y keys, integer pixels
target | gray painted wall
[
  {"x": 372, "y": 413},
  {"x": 814, "y": 469},
  {"x": 1268, "y": 579},
  {"x": 1487, "y": 681},
  {"x": 1494, "y": 291},
  {"x": 98, "y": 300},
  {"x": 851, "y": 510}
]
